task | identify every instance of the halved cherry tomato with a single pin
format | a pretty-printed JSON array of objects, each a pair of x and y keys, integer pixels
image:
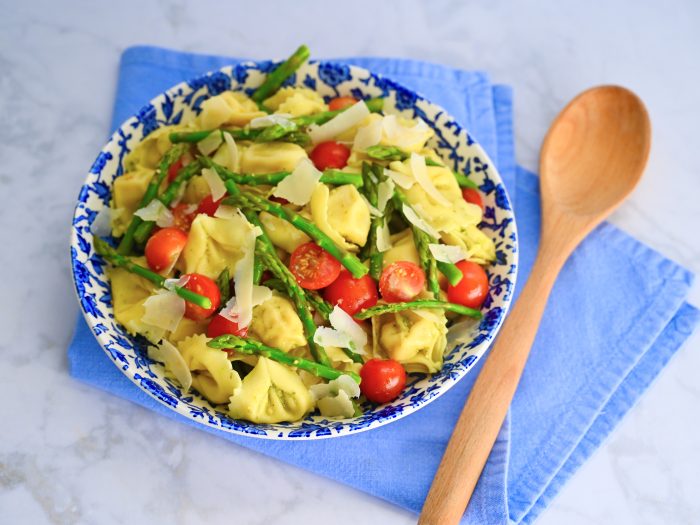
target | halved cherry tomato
[
  {"x": 202, "y": 285},
  {"x": 220, "y": 325},
  {"x": 472, "y": 289},
  {"x": 330, "y": 155},
  {"x": 183, "y": 215},
  {"x": 382, "y": 380},
  {"x": 473, "y": 196},
  {"x": 174, "y": 168},
  {"x": 341, "y": 103},
  {"x": 351, "y": 294},
  {"x": 313, "y": 267},
  {"x": 164, "y": 247},
  {"x": 401, "y": 281},
  {"x": 209, "y": 206}
]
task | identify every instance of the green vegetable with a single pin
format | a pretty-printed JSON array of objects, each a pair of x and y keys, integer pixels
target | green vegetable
[
  {"x": 252, "y": 347},
  {"x": 414, "y": 305},
  {"x": 110, "y": 254},
  {"x": 258, "y": 269},
  {"x": 330, "y": 176},
  {"x": 171, "y": 157},
  {"x": 281, "y": 73},
  {"x": 370, "y": 178},
  {"x": 223, "y": 281},
  {"x": 318, "y": 303},
  {"x": 453, "y": 274},
  {"x": 374, "y": 105}
]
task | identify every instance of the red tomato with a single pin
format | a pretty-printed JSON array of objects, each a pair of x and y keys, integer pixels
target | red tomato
[
  {"x": 401, "y": 281},
  {"x": 202, "y": 285},
  {"x": 341, "y": 103},
  {"x": 330, "y": 155},
  {"x": 313, "y": 267},
  {"x": 351, "y": 294},
  {"x": 382, "y": 380},
  {"x": 183, "y": 215},
  {"x": 164, "y": 247},
  {"x": 472, "y": 289},
  {"x": 209, "y": 206},
  {"x": 174, "y": 168},
  {"x": 219, "y": 325},
  {"x": 473, "y": 196},
  {"x": 278, "y": 200}
]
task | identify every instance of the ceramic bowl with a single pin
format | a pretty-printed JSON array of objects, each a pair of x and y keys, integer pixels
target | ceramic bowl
[{"x": 182, "y": 103}]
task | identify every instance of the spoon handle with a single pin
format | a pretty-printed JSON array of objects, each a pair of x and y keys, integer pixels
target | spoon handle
[{"x": 483, "y": 414}]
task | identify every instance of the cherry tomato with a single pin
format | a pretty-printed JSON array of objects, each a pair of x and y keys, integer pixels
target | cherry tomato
[
  {"x": 341, "y": 103},
  {"x": 351, "y": 294},
  {"x": 473, "y": 196},
  {"x": 164, "y": 247},
  {"x": 202, "y": 285},
  {"x": 183, "y": 215},
  {"x": 330, "y": 155},
  {"x": 382, "y": 380},
  {"x": 174, "y": 168},
  {"x": 220, "y": 325},
  {"x": 208, "y": 206},
  {"x": 278, "y": 200},
  {"x": 472, "y": 289},
  {"x": 401, "y": 281},
  {"x": 313, "y": 267}
]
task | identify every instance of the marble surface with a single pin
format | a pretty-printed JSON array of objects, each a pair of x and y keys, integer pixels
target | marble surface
[{"x": 71, "y": 454}]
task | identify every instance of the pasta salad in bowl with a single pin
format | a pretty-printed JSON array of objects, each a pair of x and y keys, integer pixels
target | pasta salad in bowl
[{"x": 293, "y": 250}]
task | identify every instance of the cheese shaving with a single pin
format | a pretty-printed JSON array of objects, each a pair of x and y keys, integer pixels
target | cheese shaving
[
  {"x": 210, "y": 143},
  {"x": 216, "y": 185},
  {"x": 401, "y": 179},
  {"x": 170, "y": 284},
  {"x": 326, "y": 336},
  {"x": 385, "y": 191},
  {"x": 344, "y": 323},
  {"x": 227, "y": 212},
  {"x": 447, "y": 253},
  {"x": 281, "y": 119},
  {"x": 156, "y": 211},
  {"x": 259, "y": 296},
  {"x": 419, "y": 223},
  {"x": 171, "y": 357},
  {"x": 420, "y": 172},
  {"x": 243, "y": 279},
  {"x": 342, "y": 122},
  {"x": 164, "y": 310},
  {"x": 298, "y": 187},
  {"x": 368, "y": 136},
  {"x": 383, "y": 238},
  {"x": 232, "y": 152}
]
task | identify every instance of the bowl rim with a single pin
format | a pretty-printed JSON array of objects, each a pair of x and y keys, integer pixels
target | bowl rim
[{"x": 449, "y": 381}]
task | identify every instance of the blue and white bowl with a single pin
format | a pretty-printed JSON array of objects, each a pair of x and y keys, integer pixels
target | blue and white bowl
[{"x": 183, "y": 102}]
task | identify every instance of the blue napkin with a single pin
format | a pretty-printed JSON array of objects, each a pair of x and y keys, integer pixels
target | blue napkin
[{"x": 616, "y": 316}]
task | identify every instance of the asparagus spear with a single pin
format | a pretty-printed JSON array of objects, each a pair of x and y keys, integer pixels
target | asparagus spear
[
  {"x": 316, "y": 302},
  {"x": 171, "y": 156},
  {"x": 223, "y": 281},
  {"x": 252, "y": 347},
  {"x": 265, "y": 250},
  {"x": 374, "y": 105},
  {"x": 281, "y": 73},
  {"x": 143, "y": 231},
  {"x": 418, "y": 304},
  {"x": 249, "y": 201},
  {"x": 376, "y": 257},
  {"x": 110, "y": 254},
  {"x": 330, "y": 176}
]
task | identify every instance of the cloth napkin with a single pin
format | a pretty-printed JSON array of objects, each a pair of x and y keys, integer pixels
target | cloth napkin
[{"x": 617, "y": 314}]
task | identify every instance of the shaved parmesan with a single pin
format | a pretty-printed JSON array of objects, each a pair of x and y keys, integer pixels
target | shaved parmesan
[
  {"x": 243, "y": 279},
  {"x": 420, "y": 172},
  {"x": 156, "y": 211},
  {"x": 102, "y": 223},
  {"x": 298, "y": 187},
  {"x": 401, "y": 179},
  {"x": 419, "y": 223},
  {"x": 342, "y": 122},
  {"x": 281, "y": 119},
  {"x": 210, "y": 143},
  {"x": 343, "y": 322},
  {"x": 170, "y": 284},
  {"x": 232, "y": 152},
  {"x": 216, "y": 185},
  {"x": 368, "y": 136},
  {"x": 383, "y": 238},
  {"x": 171, "y": 357},
  {"x": 164, "y": 310},
  {"x": 227, "y": 212},
  {"x": 447, "y": 253},
  {"x": 385, "y": 191},
  {"x": 326, "y": 336},
  {"x": 259, "y": 296}
]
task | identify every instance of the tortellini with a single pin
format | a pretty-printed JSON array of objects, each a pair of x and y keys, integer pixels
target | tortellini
[
  {"x": 276, "y": 323},
  {"x": 212, "y": 374},
  {"x": 127, "y": 193},
  {"x": 296, "y": 102},
  {"x": 403, "y": 248},
  {"x": 271, "y": 393},
  {"x": 149, "y": 153},
  {"x": 415, "y": 338},
  {"x": 267, "y": 157},
  {"x": 342, "y": 214},
  {"x": 214, "y": 244},
  {"x": 186, "y": 328},
  {"x": 129, "y": 291},
  {"x": 231, "y": 108},
  {"x": 196, "y": 189},
  {"x": 282, "y": 234},
  {"x": 478, "y": 246}
]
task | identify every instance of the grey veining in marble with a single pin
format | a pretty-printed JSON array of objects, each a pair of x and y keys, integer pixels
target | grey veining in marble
[{"x": 71, "y": 454}]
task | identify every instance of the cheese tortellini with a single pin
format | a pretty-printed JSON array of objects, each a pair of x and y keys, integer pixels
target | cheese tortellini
[
  {"x": 342, "y": 214},
  {"x": 211, "y": 370},
  {"x": 214, "y": 244},
  {"x": 126, "y": 197},
  {"x": 150, "y": 151},
  {"x": 129, "y": 292},
  {"x": 276, "y": 323},
  {"x": 231, "y": 108},
  {"x": 296, "y": 102},
  {"x": 268, "y": 157},
  {"x": 282, "y": 234}
]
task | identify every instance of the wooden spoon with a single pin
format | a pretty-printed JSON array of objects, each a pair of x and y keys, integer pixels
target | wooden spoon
[{"x": 592, "y": 158}]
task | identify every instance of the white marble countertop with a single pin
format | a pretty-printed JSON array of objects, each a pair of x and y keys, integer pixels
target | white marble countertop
[{"x": 71, "y": 454}]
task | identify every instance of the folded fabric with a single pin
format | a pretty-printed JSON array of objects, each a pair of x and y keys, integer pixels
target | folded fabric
[{"x": 616, "y": 316}]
